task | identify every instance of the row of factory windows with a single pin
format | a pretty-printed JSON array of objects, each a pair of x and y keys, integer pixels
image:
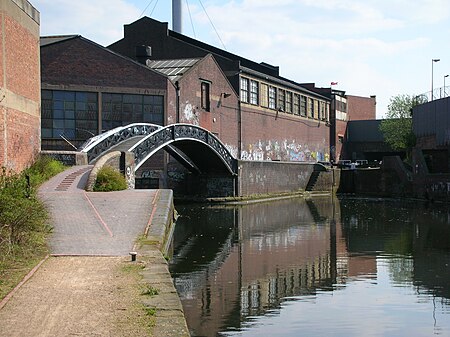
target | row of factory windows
[
  {"x": 268, "y": 96},
  {"x": 75, "y": 114}
]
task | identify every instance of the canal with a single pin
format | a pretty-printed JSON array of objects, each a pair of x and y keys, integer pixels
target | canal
[{"x": 318, "y": 267}]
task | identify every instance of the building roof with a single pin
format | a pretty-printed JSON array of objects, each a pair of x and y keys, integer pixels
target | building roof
[
  {"x": 174, "y": 69},
  {"x": 46, "y": 40}
]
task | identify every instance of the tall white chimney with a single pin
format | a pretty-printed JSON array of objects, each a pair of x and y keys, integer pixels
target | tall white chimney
[{"x": 177, "y": 16}]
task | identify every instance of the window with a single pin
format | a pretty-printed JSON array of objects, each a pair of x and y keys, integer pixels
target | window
[
  {"x": 123, "y": 109},
  {"x": 281, "y": 99},
  {"x": 71, "y": 114},
  {"x": 303, "y": 100},
  {"x": 322, "y": 110},
  {"x": 288, "y": 102},
  {"x": 272, "y": 97},
  {"x": 244, "y": 90},
  {"x": 264, "y": 95},
  {"x": 296, "y": 106},
  {"x": 254, "y": 88},
  {"x": 310, "y": 108},
  {"x": 205, "y": 96}
]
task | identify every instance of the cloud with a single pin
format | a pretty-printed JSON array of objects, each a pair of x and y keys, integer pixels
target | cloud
[{"x": 100, "y": 20}]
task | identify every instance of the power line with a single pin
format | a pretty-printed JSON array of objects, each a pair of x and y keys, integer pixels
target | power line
[
  {"x": 148, "y": 5},
  {"x": 223, "y": 45},
  {"x": 190, "y": 17}
]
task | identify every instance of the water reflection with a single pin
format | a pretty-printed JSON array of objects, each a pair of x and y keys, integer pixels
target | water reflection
[{"x": 349, "y": 267}]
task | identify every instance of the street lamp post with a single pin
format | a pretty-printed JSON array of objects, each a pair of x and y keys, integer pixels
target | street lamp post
[
  {"x": 444, "y": 85},
  {"x": 432, "y": 63}
]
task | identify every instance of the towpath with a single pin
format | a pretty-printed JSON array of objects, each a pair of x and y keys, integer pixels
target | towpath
[{"x": 85, "y": 288}]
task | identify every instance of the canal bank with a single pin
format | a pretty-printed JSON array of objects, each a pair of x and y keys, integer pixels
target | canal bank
[{"x": 95, "y": 232}]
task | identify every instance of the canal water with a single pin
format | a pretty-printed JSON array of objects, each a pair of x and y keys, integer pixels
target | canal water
[{"x": 318, "y": 267}]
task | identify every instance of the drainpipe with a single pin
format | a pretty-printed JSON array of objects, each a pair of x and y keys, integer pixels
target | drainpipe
[{"x": 177, "y": 101}]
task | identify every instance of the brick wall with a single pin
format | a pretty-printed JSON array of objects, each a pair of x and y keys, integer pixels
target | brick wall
[
  {"x": 268, "y": 135},
  {"x": 62, "y": 65},
  {"x": 361, "y": 108},
  {"x": 20, "y": 84},
  {"x": 222, "y": 119}
]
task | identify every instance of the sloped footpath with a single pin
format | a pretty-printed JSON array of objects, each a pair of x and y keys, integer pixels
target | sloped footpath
[{"x": 89, "y": 286}]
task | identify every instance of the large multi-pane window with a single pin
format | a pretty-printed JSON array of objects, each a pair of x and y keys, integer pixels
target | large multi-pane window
[
  {"x": 69, "y": 114},
  {"x": 288, "y": 102},
  {"x": 296, "y": 104},
  {"x": 244, "y": 90},
  {"x": 281, "y": 99},
  {"x": 123, "y": 109},
  {"x": 272, "y": 97},
  {"x": 254, "y": 92},
  {"x": 303, "y": 101}
]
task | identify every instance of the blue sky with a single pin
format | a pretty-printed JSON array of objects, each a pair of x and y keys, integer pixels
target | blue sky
[{"x": 371, "y": 47}]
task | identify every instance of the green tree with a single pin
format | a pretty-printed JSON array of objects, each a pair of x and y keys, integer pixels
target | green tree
[{"x": 397, "y": 127}]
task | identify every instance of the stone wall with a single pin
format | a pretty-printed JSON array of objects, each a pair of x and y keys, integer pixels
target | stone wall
[{"x": 264, "y": 177}]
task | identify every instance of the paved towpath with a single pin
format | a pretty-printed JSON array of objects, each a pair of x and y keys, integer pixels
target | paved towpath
[
  {"x": 94, "y": 223},
  {"x": 84, "y": 289}
]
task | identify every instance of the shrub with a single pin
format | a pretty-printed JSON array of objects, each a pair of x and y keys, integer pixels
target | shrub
[
  {"x": 23, "y": 220},
  {"x": 43, "y": 169},
  {"x": 109, "y": 179}
]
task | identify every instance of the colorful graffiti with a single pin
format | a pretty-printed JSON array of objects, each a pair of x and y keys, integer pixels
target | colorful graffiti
[{"x": 286, "y": 151}]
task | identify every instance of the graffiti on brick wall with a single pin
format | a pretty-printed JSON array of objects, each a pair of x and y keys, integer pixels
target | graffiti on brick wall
[
  {"x": 189, "y": 114},
  {"x": 285, "y": 151},
  {"x": 232, "y": 149}
]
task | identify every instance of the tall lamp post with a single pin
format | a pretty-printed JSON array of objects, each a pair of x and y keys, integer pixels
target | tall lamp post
[
  {"x": 444, "y": 85},
  {"x": 432, "y": 63}
]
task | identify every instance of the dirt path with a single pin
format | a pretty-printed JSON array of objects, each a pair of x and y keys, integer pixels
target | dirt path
[{"x": 77, "y": 296}]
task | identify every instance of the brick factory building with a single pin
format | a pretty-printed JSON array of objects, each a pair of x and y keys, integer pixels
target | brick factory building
[
  {"x": 274, "y": 118},
  {"x": 19, "y": 84}
]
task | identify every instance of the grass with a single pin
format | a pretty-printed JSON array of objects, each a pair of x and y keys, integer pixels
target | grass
[
  {"x": 139, "y": 313},
  {"x": 150, "y": 291},
  {"x": 24, "y": 226}
]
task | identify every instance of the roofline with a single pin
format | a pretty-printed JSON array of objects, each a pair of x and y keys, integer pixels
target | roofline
[
  {"x": 283, "y": 81},
  {"x": 112, "y": 52}
]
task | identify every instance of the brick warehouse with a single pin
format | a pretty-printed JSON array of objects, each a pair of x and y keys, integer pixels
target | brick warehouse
[
  {"x": 276, "y": 118},
  {"x": 82, "y": 97},
  {"x": 19, "y": 84}
]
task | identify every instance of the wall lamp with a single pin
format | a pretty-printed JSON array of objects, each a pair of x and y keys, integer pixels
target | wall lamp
[{"x": 225, "y": 94}]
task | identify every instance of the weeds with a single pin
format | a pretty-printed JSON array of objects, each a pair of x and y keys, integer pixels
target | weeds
[{"x": 150, "y": 291}]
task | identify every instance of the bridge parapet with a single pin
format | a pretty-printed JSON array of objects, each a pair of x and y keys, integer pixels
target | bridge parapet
[
  {"x": 177, "y": 132},
  {"x": 98, "y": 145}
]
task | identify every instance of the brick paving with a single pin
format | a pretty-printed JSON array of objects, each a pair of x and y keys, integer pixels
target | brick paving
[{"x": 94, "y": 223}]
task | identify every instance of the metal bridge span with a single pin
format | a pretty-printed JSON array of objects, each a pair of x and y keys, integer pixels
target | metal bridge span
[{"x": 196, "y": 148}]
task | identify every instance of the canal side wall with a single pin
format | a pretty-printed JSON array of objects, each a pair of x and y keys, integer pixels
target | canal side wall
[
  {"x": 389, "y": 180},
  {"x": 271, "y": 177},
  {"x": 154, "y": 249}
]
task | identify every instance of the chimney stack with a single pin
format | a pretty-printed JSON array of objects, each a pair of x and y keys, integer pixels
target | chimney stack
[{"x": 177, "y": 16}]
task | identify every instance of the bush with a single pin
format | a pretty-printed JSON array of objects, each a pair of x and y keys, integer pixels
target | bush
[
  {"x": 43, "y": 169},
  {"x": 23, "y": 220},
  {"x": 109, "y": 179}
]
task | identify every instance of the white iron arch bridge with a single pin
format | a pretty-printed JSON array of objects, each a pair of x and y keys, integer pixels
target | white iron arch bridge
[{"x": 195, "y": 147}]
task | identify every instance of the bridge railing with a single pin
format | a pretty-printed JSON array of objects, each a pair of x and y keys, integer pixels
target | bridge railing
[
  {"x": 171, "y": 133},
  {"x": 97, "y": 145}
]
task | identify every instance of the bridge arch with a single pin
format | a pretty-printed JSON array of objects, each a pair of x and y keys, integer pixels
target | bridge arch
[{"x": 186, "y": 142}]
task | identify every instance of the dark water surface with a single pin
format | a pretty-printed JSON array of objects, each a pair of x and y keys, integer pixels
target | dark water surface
[{"x": 319, "y": 267}]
